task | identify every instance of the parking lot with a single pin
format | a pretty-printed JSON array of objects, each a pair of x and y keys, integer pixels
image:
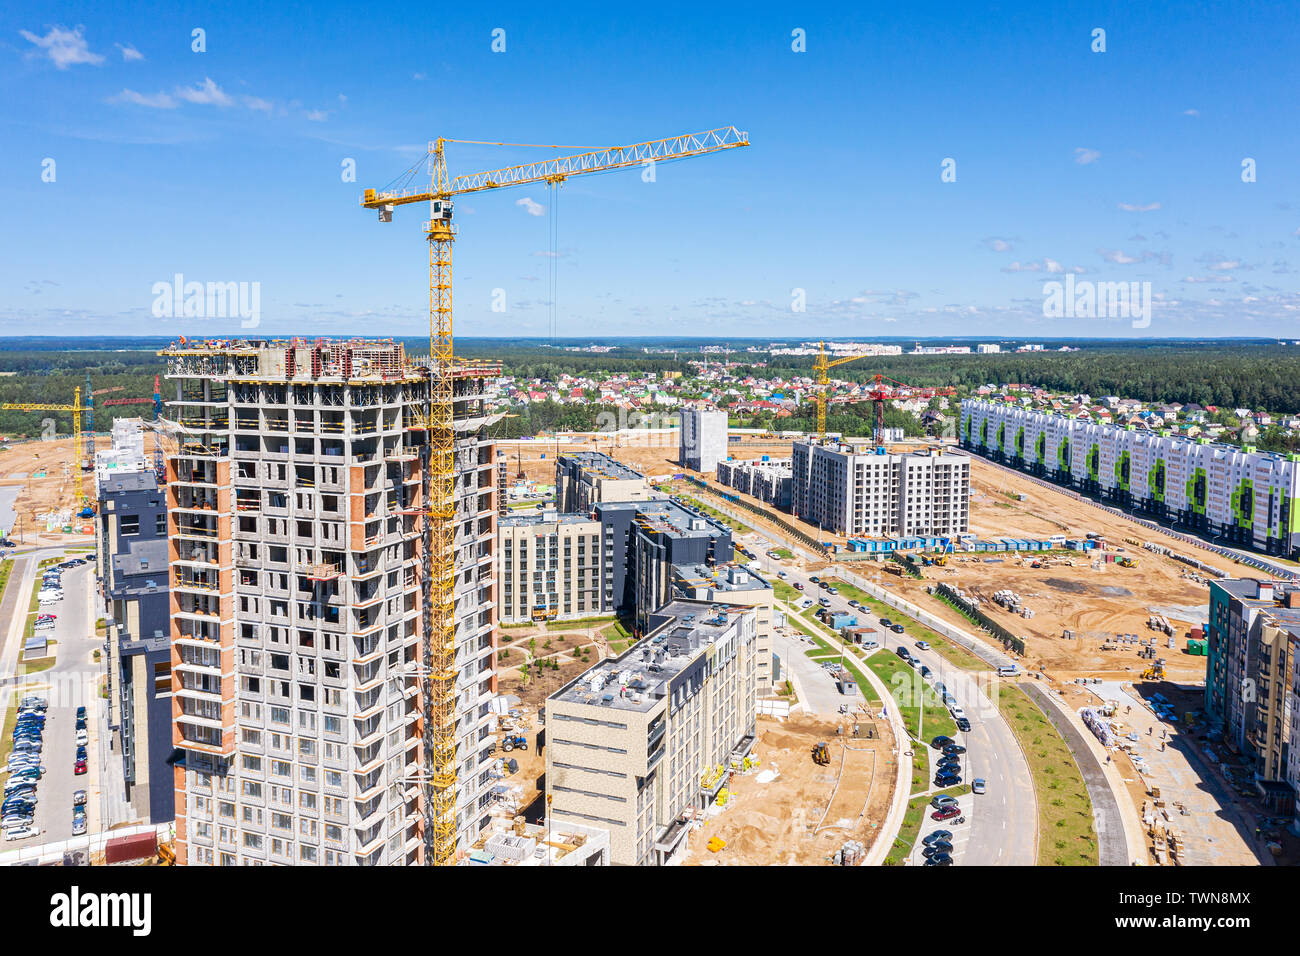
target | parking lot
[{"x": 68, "y": 684}]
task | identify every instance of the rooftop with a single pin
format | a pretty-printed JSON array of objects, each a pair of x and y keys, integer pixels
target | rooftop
[
  {"x": 601, "y": 465},
  {"x": 528, "y": 520},
  {"x": 722, "y": 577},
  {"x": 641, "y": 676},
  {"x": 665, "y": 516},
  {"x": 112, "y": 483}
]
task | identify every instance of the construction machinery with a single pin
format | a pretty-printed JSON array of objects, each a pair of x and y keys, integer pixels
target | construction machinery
[
  {"x": 1155, "y": 670},
  {"x": 821, "y": 754},
  {"x": 76, "y": 408},
  {"x": 514, "y": 742},
  {"x": 437, "y": 453},
  {"x": 880, "y": 394},
  {"x": 1126, "y": 562}
]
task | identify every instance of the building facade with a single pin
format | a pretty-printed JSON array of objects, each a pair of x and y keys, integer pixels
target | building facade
[
  {"x": 733, "y": 584},
  {"x": 858, "y": 491},
  {"x": 702, "y": 441},
  {"x": 765, "y": 479},
  {"x": 299, "y": 580},
  {"x": 132, "y": 559},
  {"x": 638, "y": 745},
  {"x": 1238, "y": 493},
  {"x": 1251, "y": 680},
  {"x": 551, "y": 567},
  {"x": 586, "y": 478}
]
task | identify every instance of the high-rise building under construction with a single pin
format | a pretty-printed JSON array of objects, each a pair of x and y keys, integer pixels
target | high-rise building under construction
[{"x": 300, "y": 579}]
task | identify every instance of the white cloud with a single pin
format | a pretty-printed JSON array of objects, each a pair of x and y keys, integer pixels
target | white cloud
[
  {"x": 317, "y": 116},
  {"x": 1084, "y": 156},
  {"x": 64, "y": 47},
  {"x": 530, "y": 207},
  {"x": 1192, "y": 113},
  {"x": 1225, "y": 265},
  {"x": 1047, "y": 265},
  {"x": 998, "y": 244},
  {"x": 259, "y": 104},
  {"x": 1130, "y": 207},
  {"x": 158, "y": 101},
  {"x": 206, "y": 93},
  {"x": 1209, "y": 279},
  {"x": 1117, "y": 257},
  {"x": 130, "y": 53}
]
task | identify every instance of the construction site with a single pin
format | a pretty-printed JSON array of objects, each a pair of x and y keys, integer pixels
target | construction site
[{"x": 814, "y": 793}]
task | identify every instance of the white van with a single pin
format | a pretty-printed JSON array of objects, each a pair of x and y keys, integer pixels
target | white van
[
  {"x": 1008, "y": 670},
  {"x": 22, "y": 832}
]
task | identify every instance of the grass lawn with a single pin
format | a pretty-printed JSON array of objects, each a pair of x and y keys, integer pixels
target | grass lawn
[
  {"x": 785, "y": 554},
  {"x": 905, "y": 684},
  {"x": 1065, "y": 830},
  {"x": 7, "y": 742},
  {"x": 785, "y": 592},
  {"x": 6, "y": 566},
  {"x": 37, "y": 665},
  {"x": 954, "y": 653}
]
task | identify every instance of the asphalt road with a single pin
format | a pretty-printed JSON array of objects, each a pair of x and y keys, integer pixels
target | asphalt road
[
  {"x": 1002, "y": 824},
  {"x": 66, "y": 686}
]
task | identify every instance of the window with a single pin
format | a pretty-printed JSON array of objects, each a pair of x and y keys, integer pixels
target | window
[{"x": 129, "y": 524}]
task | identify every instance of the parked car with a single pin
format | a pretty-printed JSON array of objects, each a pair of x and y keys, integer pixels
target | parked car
[
  {"x": 79, "y": 767},
  {"x": 80, "y": 754},
  {"x": 941, "y": 742},
  {"x": 79, "y": 798},
  {"x": 947, "y": 779},
  {"x": 78, "y": 825},
  {"x": 938, "y": 847},
  {"x": 886, "y": 622},
  {"x": 832, "y": 590},
  {"x": 853, "y": 602},
  {"x": 978, "y": 785},
  {"x": 963, "y": 725},
  {"x": 923, "y": 645},
  {"x": 83, "y": 737},
  {"x": 926, "y": 672},
  {"x": 940, "y": 859},
  {"x": 948, "y": 813},
  {"x": 81, "y": 713},
  {"x": 43, "y": 626},
  {"x": 815, "y": 580},
  {"x": 22, "y": 833},
  {"x": 897, "y": 629},
  {"x": 953, "y": 750},
  {"x": 941, "y": 800},
  {"x": 937, "y": 836},
  {"x": 798, "y": 586}
]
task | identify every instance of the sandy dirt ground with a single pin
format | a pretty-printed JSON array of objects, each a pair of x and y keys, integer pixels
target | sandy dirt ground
[{"x": 808, "y": 811}]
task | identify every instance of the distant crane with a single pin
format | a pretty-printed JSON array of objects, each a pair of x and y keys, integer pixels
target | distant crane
[
  {"x": 880, "y": 394},
  {"x": 438, "y": 624},
  {"x": 76, "y": 408}
]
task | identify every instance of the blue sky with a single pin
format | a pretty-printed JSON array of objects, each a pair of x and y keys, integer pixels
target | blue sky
[{"x": 225, "y": 166}]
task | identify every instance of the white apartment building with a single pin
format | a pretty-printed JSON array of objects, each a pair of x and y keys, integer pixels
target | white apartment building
[{"x": 703, "y": 439}]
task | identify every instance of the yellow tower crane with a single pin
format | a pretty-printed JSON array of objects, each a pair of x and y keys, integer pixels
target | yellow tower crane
[
  {"x": 76, "y": 408},
  {"x": 439, "y": 624},
  {"x": 822, "y": 367}
]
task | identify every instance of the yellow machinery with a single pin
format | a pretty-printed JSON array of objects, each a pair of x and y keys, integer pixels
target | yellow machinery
[
  {"x": 439, "y": 625},
  {"x": 821, "y": 755},
  {"x": 76, "y": 408},
  {"x": 1156, "y": 670},
  {"x": 1126, "y": 562},
  {"x": 940, "y": 560},
  {"x": 822, "y": 367}
]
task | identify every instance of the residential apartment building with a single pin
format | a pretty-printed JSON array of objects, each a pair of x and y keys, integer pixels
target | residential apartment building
[
  {"x": 300, "y": 576},
  {"x": 702, "y": 438},
  {"x": 550, "y": 567},
  {"x": 1251, "y": 680},
  {"x": 639, "y": 744},
  {"x": 664, "y": 534},
  {"x": 1239, "y": 493},
  {"x": 131, "y": 545},
  {"x": 853, "y": 490},
  {"x": 584, "y": 479},
  {"x": 733, "y": 584},
  {"x": 765, "y": 479}
]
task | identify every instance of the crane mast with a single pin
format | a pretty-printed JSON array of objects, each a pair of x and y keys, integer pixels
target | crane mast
[{"x": 438, "y": 452}]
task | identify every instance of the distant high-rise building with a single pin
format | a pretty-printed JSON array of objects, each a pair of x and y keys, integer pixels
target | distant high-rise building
[{"x": 703, "y": 439}]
